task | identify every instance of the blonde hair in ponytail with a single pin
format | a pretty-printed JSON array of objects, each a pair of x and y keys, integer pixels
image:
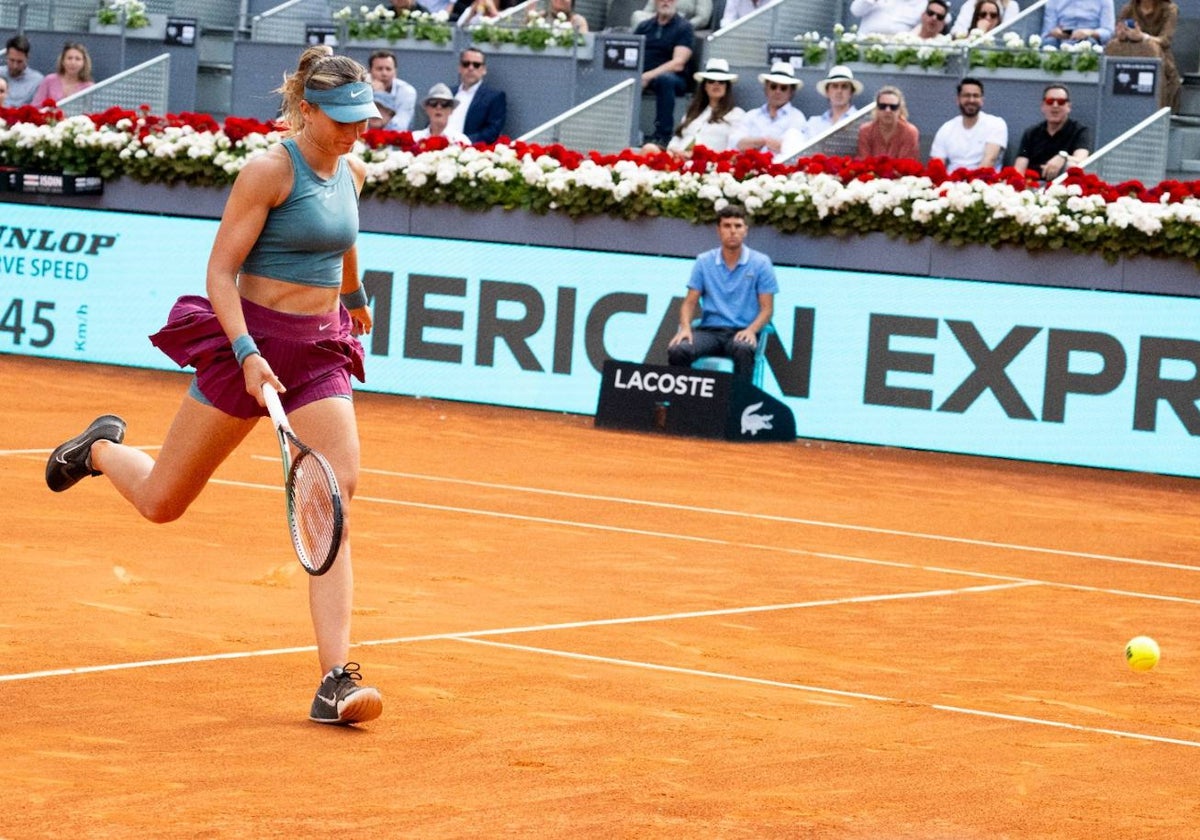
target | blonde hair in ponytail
[{"x": 318, "y": 69}]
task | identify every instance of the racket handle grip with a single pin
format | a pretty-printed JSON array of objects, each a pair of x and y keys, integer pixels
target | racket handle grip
[{"x": 274, "y": 406}]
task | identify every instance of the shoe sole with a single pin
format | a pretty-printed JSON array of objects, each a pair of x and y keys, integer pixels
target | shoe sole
[
  {"x": 361, "y": 706},
  {"x": 58, "y": 457}
]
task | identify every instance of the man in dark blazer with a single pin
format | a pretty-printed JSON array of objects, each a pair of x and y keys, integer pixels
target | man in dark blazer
[{"x": 482, "y": 120}]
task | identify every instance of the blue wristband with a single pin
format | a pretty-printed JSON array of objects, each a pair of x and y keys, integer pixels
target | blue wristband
[
  {"x": 356, "y": 299},
  {"x": 243, "y": 348}
]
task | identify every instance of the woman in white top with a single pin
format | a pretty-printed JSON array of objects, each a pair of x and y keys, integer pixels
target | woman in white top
[
  {"x": 1009, "y": 9},
  {"x": 711, "y": 115}
]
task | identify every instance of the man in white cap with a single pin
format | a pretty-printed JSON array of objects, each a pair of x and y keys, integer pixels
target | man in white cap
[
  {"x": 839, "y": 87},
  {"x": 778, "y": 126}
]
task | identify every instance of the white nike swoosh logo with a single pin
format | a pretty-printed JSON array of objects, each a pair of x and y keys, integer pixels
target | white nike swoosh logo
[
  {"x": 327, "y": 701},
  {"x": 355, "y": 94},
  {"x": 324, "y": 326}
]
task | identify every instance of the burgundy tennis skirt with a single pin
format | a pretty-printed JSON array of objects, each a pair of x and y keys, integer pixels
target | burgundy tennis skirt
[{"x": 313, "y": 355}]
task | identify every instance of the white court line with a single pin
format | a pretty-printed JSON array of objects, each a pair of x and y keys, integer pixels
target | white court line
[
  {"x": 504, "y": 631},
  {"x": 815, "y": 523},
  {"x": 800, "y": 552},
  {"x": 813, "y": 689}
]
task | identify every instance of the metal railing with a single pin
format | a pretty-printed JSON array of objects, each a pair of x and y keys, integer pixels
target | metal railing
[
  {"x": 603, "y": 123},
  {"x": 285, "y": 23},
  {"x": 149, "y": 83},
  {"x": 744, "y": 42},
  {"x": 1140, "y": 154},
  {"x": 839, "y": 140}
]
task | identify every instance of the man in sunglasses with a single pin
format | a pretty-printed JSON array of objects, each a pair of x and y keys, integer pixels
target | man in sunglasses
[
  {"x": 1057, "y": 142},
  {"x": 933, "y": 21},
  {"x": 778, "y": 126},
  {"x": 887, "y": 17},
  {"x": 481, "y": 108}
]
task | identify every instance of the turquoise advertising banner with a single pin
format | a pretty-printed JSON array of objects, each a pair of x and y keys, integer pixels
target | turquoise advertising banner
[{"x": 1061, "y": 375}]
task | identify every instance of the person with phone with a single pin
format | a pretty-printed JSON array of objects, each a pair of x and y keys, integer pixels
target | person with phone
[
  {"x": 1146, "y": 28},
  {"x": 1072, "y": 21}
]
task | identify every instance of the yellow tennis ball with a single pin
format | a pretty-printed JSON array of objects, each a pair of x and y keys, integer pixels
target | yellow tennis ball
[{"x": 1141, "y": 652}]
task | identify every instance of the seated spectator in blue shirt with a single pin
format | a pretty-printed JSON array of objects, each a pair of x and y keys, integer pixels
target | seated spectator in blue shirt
[
  {"x": 669, "y": 42},
  {"x": 1071, "y": 21},
  {"x": 23, "y": 80},
  {"x": 839, "y": 87},
  {"x": 778, "y": 126},
  {"x": 735, "y": 289}
]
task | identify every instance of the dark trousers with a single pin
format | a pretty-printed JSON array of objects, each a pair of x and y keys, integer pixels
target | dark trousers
[
  {"x": 715, "y": 341},
  {"x": 666, "y": 88}
]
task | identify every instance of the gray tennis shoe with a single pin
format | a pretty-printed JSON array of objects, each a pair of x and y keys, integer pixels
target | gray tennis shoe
[
  {"x": 72, "y": 461},
  {"x": 341, "y": 700}
]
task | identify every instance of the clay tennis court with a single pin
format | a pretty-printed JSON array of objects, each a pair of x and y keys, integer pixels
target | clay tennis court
[{"x": 587, "y": 634}]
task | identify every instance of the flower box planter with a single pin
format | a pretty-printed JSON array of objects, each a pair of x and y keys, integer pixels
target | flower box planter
[
  {"x": 950, "y": 68},
  {"x": 1036, "y": 73},
  {"x": 406, "y": 44},
  {"x": 583, "y": 51},
  {"x": 156, "y": 31}
]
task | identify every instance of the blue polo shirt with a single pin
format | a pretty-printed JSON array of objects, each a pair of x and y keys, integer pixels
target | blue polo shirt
[{"x": 730, "y": 298}]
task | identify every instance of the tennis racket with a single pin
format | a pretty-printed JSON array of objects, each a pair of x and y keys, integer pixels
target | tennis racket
[{"x": 314, "y": 503}]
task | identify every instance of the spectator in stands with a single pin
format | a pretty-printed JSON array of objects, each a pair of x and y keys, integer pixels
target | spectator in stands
[
  {"x": 1153, "y": 29},
  {"x": 410, "y": 6},
  {"x": 1055, "y": 143},
  {"x": 737, "y": 9},
  {"x": 737, "y": 287},
  {"x": 710, "y": 117},
  {"x": 464, "y": 11},
  {"x": 696, "y": 12},
  {"x": 72, "y": 73},
  {"x": 839, "y": 87},
  {"x": 481, "y": 109},
  {"x": 973, "y": 139},
  {"x": 985, "y": 17},
  {"x": 386, "y": 103},
  {"x": 969, "y": 19},
  {"x": 23, "y": 80},
  {"x": 439, "y": 104},
  {"x": 887, "y": 17},
  {"x": 778, "y": 126},
  {"x": 3, "y": 92},
  {"x": 566, "y": 8},
  {"x": 669, "y": 40},
  {"x": 1077, "y": 20},
  {"x": 933, "y": 20},
  {"x": 403, "y": 95},
  {"x": 889, "y": 133}
]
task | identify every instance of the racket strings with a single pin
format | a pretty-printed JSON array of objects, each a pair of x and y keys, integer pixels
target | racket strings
[{"x": 316, "y": 512}]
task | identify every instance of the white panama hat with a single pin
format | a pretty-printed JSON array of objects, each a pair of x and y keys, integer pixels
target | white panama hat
[
  {"x": 715, "y": 70},
  {"x": 782, "y": 73},
  {"x": 840, "y": 73}
]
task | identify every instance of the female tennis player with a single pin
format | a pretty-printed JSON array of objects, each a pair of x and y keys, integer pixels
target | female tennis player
[{"x": 284, "y": 251}]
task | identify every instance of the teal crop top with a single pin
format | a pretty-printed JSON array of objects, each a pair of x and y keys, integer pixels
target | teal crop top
[{"x": 304, "y": 238}]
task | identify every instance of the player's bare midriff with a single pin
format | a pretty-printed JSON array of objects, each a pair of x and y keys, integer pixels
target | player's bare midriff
[{"x": 291, "y": 298}]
